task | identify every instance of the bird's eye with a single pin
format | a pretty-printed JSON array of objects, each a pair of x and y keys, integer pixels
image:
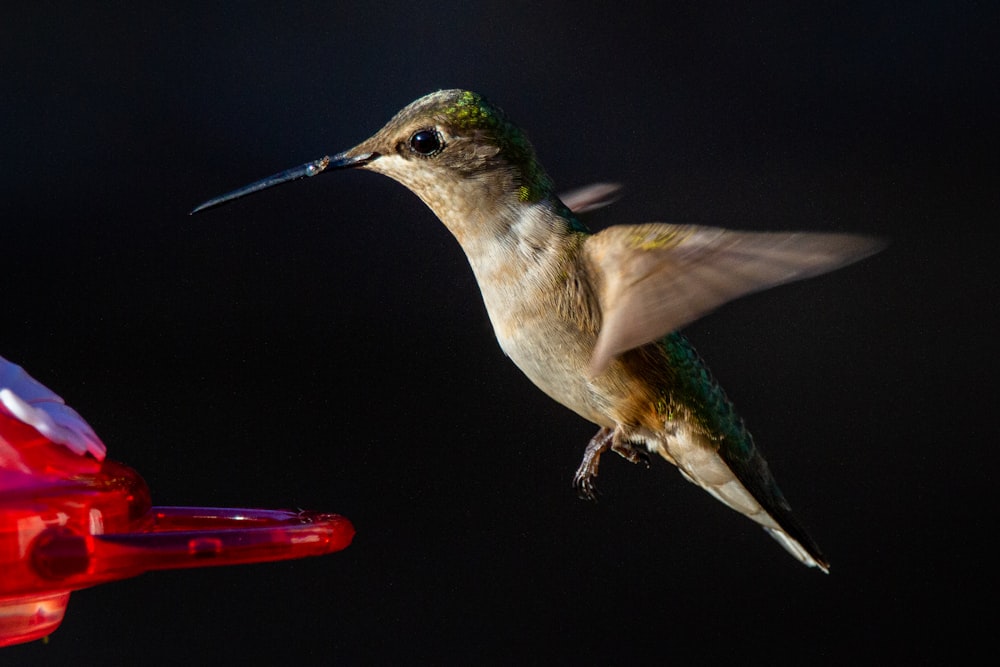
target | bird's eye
[{"x": 426, "y": 142}]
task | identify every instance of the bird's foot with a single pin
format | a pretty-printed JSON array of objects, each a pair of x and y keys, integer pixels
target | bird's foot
[
  {"x": 630, "y": 452},
  {"x": 586, "y": 473}
]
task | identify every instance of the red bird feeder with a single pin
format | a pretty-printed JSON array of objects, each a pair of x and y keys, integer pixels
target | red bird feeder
[{"x": 69, "y": 521}]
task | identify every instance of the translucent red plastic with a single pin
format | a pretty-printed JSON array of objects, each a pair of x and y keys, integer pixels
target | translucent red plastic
[{"x": 68, "y": 522}]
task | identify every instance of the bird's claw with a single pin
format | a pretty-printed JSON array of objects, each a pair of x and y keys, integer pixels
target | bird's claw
[
  {"x": 583, "y": 482},
  {"x": 586, "y": 473},
  {"x": 631, "y": 453}
]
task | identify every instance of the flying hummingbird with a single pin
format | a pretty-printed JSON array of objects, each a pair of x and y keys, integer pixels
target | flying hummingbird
[{"x": 593, "y": 319}]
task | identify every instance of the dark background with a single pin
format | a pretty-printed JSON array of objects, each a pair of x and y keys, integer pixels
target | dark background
[{"x": 324, "y": 345}]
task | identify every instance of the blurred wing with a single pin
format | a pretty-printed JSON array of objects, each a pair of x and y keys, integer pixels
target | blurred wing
[
  {"x": 29, "y": 401},
  {"x": 590, "y": 197},
  {"x": 655, "y": 278}
]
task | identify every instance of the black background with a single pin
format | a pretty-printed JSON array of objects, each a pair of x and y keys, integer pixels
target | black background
[{"x": 324, "y": 345}]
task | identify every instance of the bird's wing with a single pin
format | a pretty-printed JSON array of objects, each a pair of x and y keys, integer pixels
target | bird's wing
[
  {"x": 655, "y": 278},
  {"x": 28, "y": 400},
  {"x": 591, "y": 197}
]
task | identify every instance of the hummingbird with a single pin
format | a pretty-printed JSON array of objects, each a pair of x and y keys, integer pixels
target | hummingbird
[{"x": 593, "y": 319}]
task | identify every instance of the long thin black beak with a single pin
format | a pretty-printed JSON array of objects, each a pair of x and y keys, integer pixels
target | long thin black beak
[{"x": 338, "y": 161}]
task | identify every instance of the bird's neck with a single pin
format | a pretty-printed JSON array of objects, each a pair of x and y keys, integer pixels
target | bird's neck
[{"x": 505, "y": 231}]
